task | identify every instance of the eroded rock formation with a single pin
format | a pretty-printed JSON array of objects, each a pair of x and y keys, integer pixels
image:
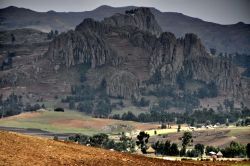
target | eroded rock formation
[{"x": 117, "y": 40}]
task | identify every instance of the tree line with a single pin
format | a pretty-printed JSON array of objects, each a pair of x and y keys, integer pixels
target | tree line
[{"x": 205, "y": 116}]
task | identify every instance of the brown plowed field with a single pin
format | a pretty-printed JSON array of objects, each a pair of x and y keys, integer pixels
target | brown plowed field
[{"x": 18, "y": 149}]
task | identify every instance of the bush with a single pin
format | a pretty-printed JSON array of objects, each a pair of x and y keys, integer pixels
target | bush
[
  {"x": 59, "y": 109},
  {"x": 55, "y": 138},
  {"x": 199, "y": 148},
  {"x": 86, "y": 107},
  {"x": 248, "y": 150},
  {"x": 235, "y": 149},
  {"x": 192, "y": 153}
]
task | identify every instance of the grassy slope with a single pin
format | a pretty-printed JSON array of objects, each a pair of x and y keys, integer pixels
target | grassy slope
[
  {"x": 67, "y": 122},
  {"x": 44, "y": 121}
]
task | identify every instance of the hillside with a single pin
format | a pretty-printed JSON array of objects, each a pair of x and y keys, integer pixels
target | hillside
[
  {"x": 225, "y": 38},
  {"x": 64, "y": 124},
  {"x": 123, "y": 60},
  {"x": 71, "y": 122},
  {"x": 17, "y": 149}
]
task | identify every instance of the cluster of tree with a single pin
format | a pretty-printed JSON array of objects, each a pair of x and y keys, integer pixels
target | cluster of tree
[
  {"x": 168, "y": 97},
  {"x": 205, "y": 116},
  {"x": 125, "y": 143},
  {"x": 187, "y": 101},
  {"x": 166, "y": 148},
  {"x": 140, "y": 103},
  {"x": 172, "y": 149},
  {"x": 209, "y": 90},
  {"x": 229, "y": 104},
  {"x": 14, "y": 105},
  {"x": 142, "y": 140},
  {"x": 243, "y": 122},
  {"x": 235, "y": 149},
  {"x": 196, "y": 152},
  {"x": 52, "y": 34},
  {"x": 92, "y": 101}
]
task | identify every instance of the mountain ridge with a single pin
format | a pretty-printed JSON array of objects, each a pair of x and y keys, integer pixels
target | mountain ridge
[{"x": 221, "y": 37}]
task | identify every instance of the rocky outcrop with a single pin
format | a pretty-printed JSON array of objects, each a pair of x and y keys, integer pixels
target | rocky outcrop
[
  {"x": 75, "y": 47},
  {"x": 123, "y": 84},
  {"x": 171, "y": 56},
  {"x": 104, "y": 43},
  {"x": 140, "y": 17}
]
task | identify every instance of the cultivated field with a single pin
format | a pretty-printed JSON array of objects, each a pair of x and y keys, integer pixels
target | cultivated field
[
  {"x": 17, "y": 149},
  {"x": 71, "y": 122},
  {"x": 219, "y": 137}
]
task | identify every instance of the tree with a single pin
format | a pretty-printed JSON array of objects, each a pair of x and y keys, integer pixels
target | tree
[
  {"x": 211, "y": 149},
  {"x": 248, "y": 150},
  {"x": 71, "y": 104},
  {"x": 186, "y": 139},
  {"x": 86, "y": 106},
  {"x": 99, "y": 140},
  {"x": 103, "y": 108},
  {"x": 183, "y": 151},
  {"x": 103, "y": 84},
  {"x": 167, "y": 147},
  {"x": 158, "y": 147},
  {"x": 213, "y": 51},
  {"x": 174, "y": 151},
  {"x": 179, "y": 128},
  {"x": 235, "y": 149},
  {"x": 56, "y": 32},
  {"x": 192, "y": 153},
  {"x": 199, "y": 148},
  {"x": 13, "y": 39},
  {"x": 142, "y": 141}
]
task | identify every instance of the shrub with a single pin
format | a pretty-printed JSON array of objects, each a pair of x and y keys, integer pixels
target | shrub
[{"x": 59, "y": 109}]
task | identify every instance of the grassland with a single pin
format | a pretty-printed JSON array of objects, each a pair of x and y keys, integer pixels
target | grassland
[
  {"x": 44, "y": 120},
  {"x": 68, "y": 122}
]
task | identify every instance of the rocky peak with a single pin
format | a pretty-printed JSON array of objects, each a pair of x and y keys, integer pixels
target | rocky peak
[
  {"x": 139, "y": 17},
  {"x": 90, "y": 25}
]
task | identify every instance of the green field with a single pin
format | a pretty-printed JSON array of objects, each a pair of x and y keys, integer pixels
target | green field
[
  {"x": 44, "y": 121},
  {"x": 71, "y": 122}
]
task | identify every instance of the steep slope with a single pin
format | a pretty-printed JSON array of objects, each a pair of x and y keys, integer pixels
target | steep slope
[{"x": 225, "y": 38}]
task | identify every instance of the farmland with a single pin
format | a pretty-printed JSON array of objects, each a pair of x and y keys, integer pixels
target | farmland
[
  {"x": 70, "y": 122},
  {"x": 18, "y": 149}
]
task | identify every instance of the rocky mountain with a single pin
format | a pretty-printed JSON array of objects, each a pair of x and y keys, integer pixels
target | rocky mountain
[
  {"x": 128, "y": 55},
  {"x": 134, "y": 49},
  {"x": 224, "y": 38}
]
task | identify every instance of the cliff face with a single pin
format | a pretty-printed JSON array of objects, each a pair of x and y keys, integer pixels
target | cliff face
[
  {"x": 83, "y": 45},
  {"x": 140, "y": 17},
  {"x": 123, "y": 84},
  {"x": 134, "y": 46},
  {"x": 171, "y": 56}
]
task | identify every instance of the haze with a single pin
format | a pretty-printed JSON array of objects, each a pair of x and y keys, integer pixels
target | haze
[{"x": 218, "y": 11}]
